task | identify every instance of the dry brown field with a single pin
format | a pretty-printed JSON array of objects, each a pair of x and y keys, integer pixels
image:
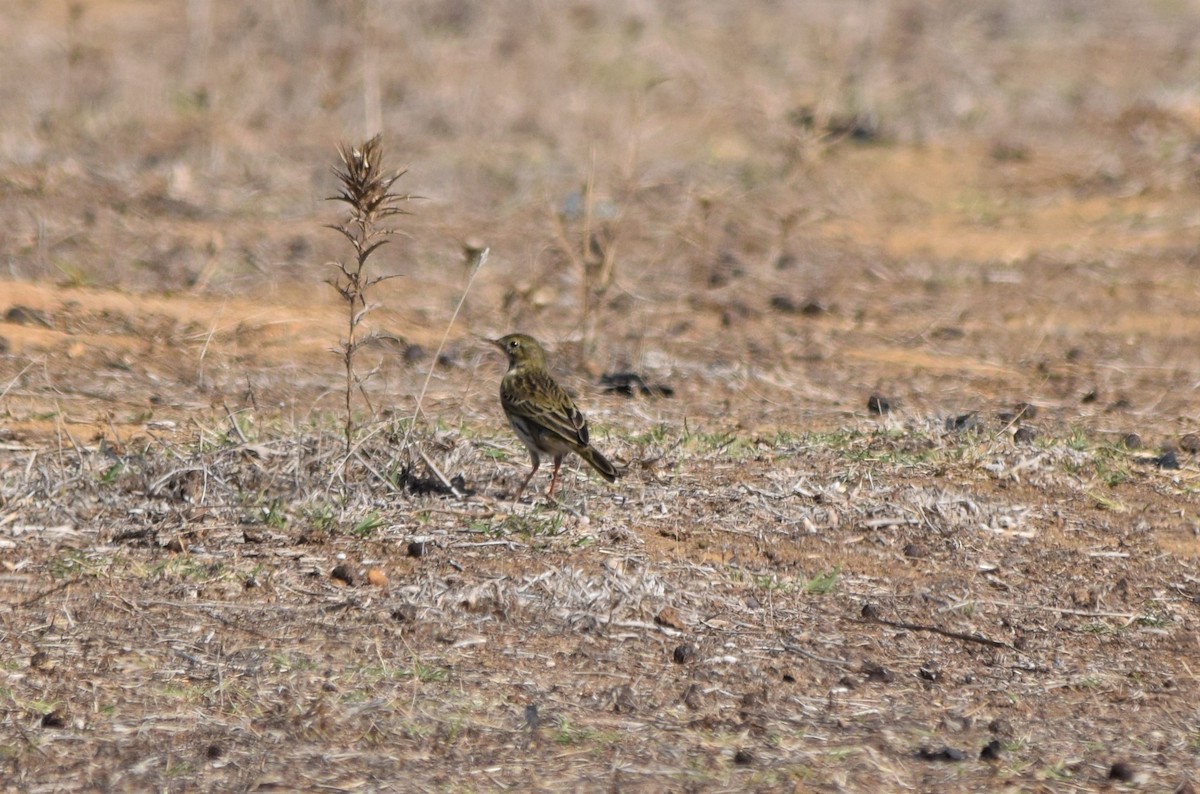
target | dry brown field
[{"x": 919, "y": 513}]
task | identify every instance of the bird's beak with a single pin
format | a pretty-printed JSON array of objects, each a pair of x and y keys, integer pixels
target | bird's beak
[{"x": 493, "y": 342}]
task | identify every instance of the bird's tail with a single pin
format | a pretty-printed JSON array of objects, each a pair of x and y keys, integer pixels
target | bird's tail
[{"x": 599, "y": 463}]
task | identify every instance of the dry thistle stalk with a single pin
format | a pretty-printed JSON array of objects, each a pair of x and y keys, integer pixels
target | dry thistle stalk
[{"x": 367, "y": 190}]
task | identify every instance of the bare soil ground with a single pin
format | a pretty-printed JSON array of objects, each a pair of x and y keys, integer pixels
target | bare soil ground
[{"x": 983, "y": 215}]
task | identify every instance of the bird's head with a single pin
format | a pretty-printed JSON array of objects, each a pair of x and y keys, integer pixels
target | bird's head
[{"x": 522, "y": 350}]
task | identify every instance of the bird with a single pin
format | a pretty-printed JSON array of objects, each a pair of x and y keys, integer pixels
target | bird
[{"x": 542, "y": 415}]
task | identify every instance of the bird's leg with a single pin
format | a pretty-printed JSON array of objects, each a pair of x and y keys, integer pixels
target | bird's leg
[
  {"x": 558, "y": 459},
  {"x": 536, "y": 462}
]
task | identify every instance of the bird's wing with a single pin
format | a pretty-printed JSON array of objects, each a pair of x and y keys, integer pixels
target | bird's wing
[{"x": 539, "y": 399}]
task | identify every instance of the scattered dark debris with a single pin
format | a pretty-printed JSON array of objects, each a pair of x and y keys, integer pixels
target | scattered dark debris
[
  {"x": 693, "y": 697},
  {"x": 963, "y": 422},
  {"x": 1167, "y": 460},
  {"x": 254, "y": 535},
  {"x": 929, "y": 671},
  {"x": 870, "y": 611},
  {"x": 146, "y": 535},
  {"x": 756, "y": 698},
  {"x": 915, "y": 551},
  {"x": 1001, "y": 727},
  {"x": 848, "y": 682},
  {"x": 630, "y": 383},
  {"x": 743, "y": 757},
  {"x": 1019, "y": 413},
  {"x": 1090, "y": 396},
  {"x": 413, "y": 353},
  {"x": 584, "y": 624},
  {"x": 1119, "y": 404},
  {"x": 344, "y": 573},
  {"x": 947, "y": 333},
  {"x": 424, "y": 486},
  {"x": 55, "y": 719},
  {"x": 1190, "y": 443},
  {"x": 873, "y": 671},
  {"x": 991, "y": 750},
  {"x": 532, "y": 718},
  {"x": 23, "y": 315},
  {"x": 858, "y": 127},
  {"x": 1132, "y": 441},
  {"x": 1024, "y": 435},
  {"x": 813, "y": 308},
  {"x": 684, "y": 653},
  {"x": 879, "y": 405},
  {"x": 735, "y": 312},
  {"x": 945, "y": 753},
  {"x": 404, "y": 613},
  {"x": 785, "y": 304},
  {"x": 1121, "y": 771},
  {"x": 1009, "y": 152},
  {"x": 725, "y": 269}
]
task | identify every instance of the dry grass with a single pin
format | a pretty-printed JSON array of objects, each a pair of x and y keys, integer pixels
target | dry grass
[{"x": 794, "y": 207}]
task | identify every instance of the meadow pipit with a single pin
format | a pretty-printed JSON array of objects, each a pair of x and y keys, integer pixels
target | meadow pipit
[{"x": 541, "y": 413}]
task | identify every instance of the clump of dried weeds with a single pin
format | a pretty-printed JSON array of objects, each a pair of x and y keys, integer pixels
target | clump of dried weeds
[{"x": 366, "y": 188}]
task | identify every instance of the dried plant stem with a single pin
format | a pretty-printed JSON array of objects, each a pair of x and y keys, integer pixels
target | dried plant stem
[{"x": 366, "y": 189}]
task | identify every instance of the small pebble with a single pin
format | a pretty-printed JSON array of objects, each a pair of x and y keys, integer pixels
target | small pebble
[
  {"x": 1024, "y": 435},
  {"x": 942, "y": 754},
  {"x": 344, "y": 574},
  {"x": 684, "y": 653},
  {"x": 877, "y": 672},
  {"x": 962, "y": 422},
  {"x": 1167, "y": 460},
  {"x": 878, "y": 405},
  {"x": 405, "y": 613},
  {"x": 55, "y": 719}
]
